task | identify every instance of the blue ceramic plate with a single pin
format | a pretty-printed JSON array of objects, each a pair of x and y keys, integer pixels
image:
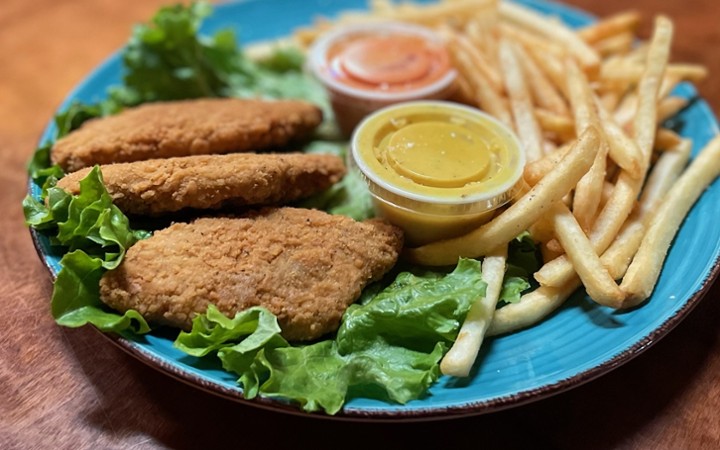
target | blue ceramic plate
[{"x": 579, "y": 342}]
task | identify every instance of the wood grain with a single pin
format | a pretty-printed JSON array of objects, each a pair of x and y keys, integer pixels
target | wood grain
[{"x": 73, "y": 389}]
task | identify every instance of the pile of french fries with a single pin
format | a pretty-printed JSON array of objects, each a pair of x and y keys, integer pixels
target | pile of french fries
[{"x": 607, "y": 186}]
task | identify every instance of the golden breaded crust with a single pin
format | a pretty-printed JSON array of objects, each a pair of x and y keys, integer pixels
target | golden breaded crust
[
  {"x": 305, "y": 266},
  {"x": 182, "y": 128},
  {"x": 160, "y": 186}
]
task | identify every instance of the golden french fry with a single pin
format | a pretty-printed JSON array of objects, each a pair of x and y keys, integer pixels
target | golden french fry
[
  {"x": 555, "y": 32},
  {"x": 626, "y": 110},
  {"x": 669, "y": 83},
  {"x": 459, "y": 359},
  {"x": 663, "y": 174},
  {"x": 429, "y": 15},
  {"x": 614, "y": 45},
  {"x": 520, "y": 215},
  {"x": 531, "y": 41},
  {"x": 560, "y": 125},
  {"x": 606, "y": 193},
  {"x": 479, "y": 61},
  {"x": 611, "y": 99},
  {"x": 666, "y": 139},
  {"x": 535, "y": 171},
  {"x": 666, "y": 170},
  {"x": 643, "y": 273},
  {"x": 486, "y": 97},
  {"x": 617, "y": 257},
  {"x": 551, "y": 66},
  {"x": 669, "y": 106},
  {"x": 521, "y": 105},
  {"x": 623, "y": 150},
  {"x": 543, "y": 91},
  {"x": 589, "y": 189},
  {"x": 531, "y": 309},
  {"x": 600, "y": 286},
  {"x": 480, "y": 32},
  {"x": 611, "y": 26},
  {"x": 644, "y": 121},
  {"x": 631, "y": 73},
  {"x": 618, "y": 207},
  {"x": 611, "y": 218}
]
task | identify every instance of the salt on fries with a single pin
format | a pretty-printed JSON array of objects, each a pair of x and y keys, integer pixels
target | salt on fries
[{"x": 607, "y": 187}]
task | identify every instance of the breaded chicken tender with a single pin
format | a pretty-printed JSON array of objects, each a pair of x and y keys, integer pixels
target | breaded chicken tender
[
  {"x": 158, "y": 186},
  {"x": 183, "y": 128},
  {"x": 305, "y": 266}
]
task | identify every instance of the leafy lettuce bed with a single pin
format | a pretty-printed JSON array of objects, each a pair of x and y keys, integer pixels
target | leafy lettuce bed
[{"x": 389, "y": 344}]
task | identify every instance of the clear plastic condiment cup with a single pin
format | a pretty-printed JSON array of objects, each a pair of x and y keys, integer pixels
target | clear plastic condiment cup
[
  {"x": 366, "y": 67},
  {"x": 437, "y": 169}
]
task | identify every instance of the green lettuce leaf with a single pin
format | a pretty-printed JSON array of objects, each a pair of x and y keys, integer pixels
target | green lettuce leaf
[
  {"x": 213, "y": 330},
  {"x": 513, "y": 288},
  {"x": 76, "y": 297},
  {"x": 88, "y": 221},
  {"x": 414, "y": 311},
  {"x": 283, "y": 60},
  {"x": 349, "y": 197},
  {"x": 524, "y": 259},
  {"x": 167, "y": 60},
  {"x": 96, "y": 234},
  {"x": 387, "y": 348}
]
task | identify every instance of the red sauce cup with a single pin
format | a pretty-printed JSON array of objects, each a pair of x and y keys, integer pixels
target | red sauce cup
[{"x": 366, "y": 67}]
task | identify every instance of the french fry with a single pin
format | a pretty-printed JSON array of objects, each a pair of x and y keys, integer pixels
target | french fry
[
  {"x": 561, "y": 125},
  {"x": 478, "y": 60},
  {"x": 600, "y": 286},
  {"x": 521, "y": 105},
  {"x": 608, "y": 223},
  {"x": 520, "y": 215},
  {"x": 615, "y": 45},
  {"x": 623, "y": 150},
  {"x": 485, "y": 96},
  {"x": 631, "y": 73},
  {"x": 536, "y": 170},
  {"x": 458, "y": 12},
  {"x": 626, "y": 110},
  {"x": 618, "y": 256},
  {"x": 551, "y": 66},
  {"x": 589, "y": 189},
  {"x": 644, "y": 121},
  {"x": 611, "y": 26},
  {"x": 669, "y": 106},
  {"x": 480, "y": 33},
  {"x": 555, "y": 32},
  {"x": 643, "y": 273},
  {"x": 666, "y": 139},
  {"x": 544, "y": 93},
  {"x": 610, "y": 99},
  {"x": 531, "y": 309},
  {"x": 459, "y": 359},
  {"x": 664, "y": 173},
  {"x": 531, "y": 41}
]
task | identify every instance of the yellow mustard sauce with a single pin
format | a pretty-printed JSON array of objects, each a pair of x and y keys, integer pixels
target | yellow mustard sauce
[{"x": 436, "y": 169}]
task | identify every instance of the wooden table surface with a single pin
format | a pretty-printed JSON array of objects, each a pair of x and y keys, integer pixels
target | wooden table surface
[{"x": 72, "y": 389}]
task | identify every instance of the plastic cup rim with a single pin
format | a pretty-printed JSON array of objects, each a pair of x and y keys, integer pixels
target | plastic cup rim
[
  {"x": 319, "y": 50},
  {"x": 370, "y": 175}
]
